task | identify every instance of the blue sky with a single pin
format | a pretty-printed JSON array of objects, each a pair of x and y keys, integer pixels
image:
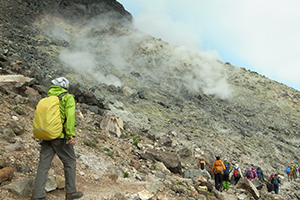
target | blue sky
[{"x": 263, "y": 36}]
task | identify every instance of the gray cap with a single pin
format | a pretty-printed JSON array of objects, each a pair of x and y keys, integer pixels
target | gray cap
[{"x": 61, "y": 81}]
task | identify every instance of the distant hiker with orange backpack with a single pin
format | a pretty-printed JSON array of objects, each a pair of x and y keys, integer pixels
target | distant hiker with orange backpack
[
  {"x": 57, "y": 138},
  {"x": 289, "y": 173},
  {"x": 236, "y": 173},
  {"x": 226, "y": 173},
  {"x": 217, "y": 169}
]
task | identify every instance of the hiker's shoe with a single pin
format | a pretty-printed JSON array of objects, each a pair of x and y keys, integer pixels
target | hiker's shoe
[{"x": 75, "y": 195}]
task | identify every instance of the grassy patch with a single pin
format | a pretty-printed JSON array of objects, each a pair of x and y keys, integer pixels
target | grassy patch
[
  {"x": 111, "y": 154},
  {"x": 135, "y": 138},
  {"x": 180, "y": 183}
]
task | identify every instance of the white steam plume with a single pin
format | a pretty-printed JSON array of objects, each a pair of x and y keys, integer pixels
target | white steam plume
[{"x": 105, "y": 57}]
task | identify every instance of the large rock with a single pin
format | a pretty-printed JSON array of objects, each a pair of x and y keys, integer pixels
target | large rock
[
  {"x": 50, "y": 184},
  {"x": 15, "y": 147},
  {"x": 2, "y": 162},
  {"x": 16, "y": 83},
  {"x": 185, "y": 155},
  {"x": 83, "y": 95},
  {"x": 17, "y": 126},
  {"x": 145, "y": 195},
  {"x": 192, "y": 173},
  {"x": 112, "y": 124},
  {"x": 33, "y": 96},
  {"x": 22, "y": 187},
  {"x": 258, "y": 184},
  {"x": 60, "y": 182},
  {"x": 6, "y": 174},
  {"x": 165, "y": 141},
  {"x": 154, "y": 187},
  {"x": 170, "y": 160},
  {"x": 249, "y": 186}
]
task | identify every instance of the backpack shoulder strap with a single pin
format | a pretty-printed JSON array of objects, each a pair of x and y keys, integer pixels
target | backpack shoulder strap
[
  {"x": 60, "y": 98},
  {"x": 62, "y": 95}
]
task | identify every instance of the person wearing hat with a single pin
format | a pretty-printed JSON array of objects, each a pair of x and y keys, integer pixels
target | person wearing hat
[
  {"x": 217, "y": 169},
  {"x": 203, "y": 170},
  {"x": 236, "y": 173},
  {"x": 63, "y": 146}
]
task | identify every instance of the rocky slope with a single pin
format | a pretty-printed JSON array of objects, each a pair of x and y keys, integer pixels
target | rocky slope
[{"x": 174, "y": 103}]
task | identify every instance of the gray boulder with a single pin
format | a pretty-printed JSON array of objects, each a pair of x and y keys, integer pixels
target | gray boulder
[
  {"x": 22, "y": 188},
  {"x": 192, "y": 173}
]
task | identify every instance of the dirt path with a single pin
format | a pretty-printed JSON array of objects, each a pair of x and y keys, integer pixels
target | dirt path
[{"x": 101, "y": 189}]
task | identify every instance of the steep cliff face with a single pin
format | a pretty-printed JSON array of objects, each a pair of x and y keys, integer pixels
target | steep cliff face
[{"x": 158, "y": 89}]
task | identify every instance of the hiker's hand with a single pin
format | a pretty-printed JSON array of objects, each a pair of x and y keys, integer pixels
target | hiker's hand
[{"x": 72, "y": 141}]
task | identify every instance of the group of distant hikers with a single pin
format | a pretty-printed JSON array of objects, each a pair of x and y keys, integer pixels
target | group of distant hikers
[
  {"x": 221, "y": 171},
  {"x": 291, "y": 172}
]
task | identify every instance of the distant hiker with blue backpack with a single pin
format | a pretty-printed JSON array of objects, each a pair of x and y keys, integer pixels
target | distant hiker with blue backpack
[
  {"x": 250, "y": 174},
  {"x": 226, "y": 173},
  {"x": 260, "y": 174},
  {"x": 289, "y": 173},
  {"x": 275, "y": 181},
  {"x": 54, "y": 124},
  {"x": 217, "y": 169}
]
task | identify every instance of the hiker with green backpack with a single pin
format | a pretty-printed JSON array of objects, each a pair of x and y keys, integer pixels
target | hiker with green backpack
[
  {"x": 54, "y": 125},
  {"x": 275, "y": 181}
]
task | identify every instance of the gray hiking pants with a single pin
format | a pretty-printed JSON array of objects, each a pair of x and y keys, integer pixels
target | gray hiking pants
[{"x": 66, "y": 154}]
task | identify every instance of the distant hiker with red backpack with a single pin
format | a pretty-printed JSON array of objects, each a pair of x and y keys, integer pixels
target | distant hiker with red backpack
[
  {"x": 271, "y": 177},
  {"x": 289, "y": 173},
  {"x": 63, "y": 139},
  {"x": 236, "y": 173},
  {"x": 226, "y": 173},
  {"x": 217, "y": 169},
  {"x": 250, "y": 174}
]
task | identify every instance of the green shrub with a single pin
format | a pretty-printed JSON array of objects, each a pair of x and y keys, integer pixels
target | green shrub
[
  {"x": 135, "y": 142},
  {"x": 126, "y": 175}
]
